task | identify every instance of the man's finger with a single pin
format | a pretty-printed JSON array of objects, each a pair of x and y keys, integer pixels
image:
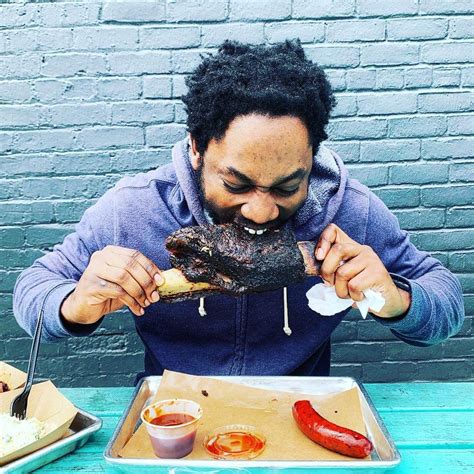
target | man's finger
[
  {"x": 337, "y": 253},
  {"x": 326, "y": 239},
  {"x": 125, "y": 280},
  {"x": 135, "y": 268},
  {"x": 114, "y": 291},
  {"x": 145, "y": 262},
  {"x": 331, "y": 234},
  {"x": 360, "y": 283},
  {"x": 345, "y": 273}
]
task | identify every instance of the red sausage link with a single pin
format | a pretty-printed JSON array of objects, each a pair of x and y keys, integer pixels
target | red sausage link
[{"x": 329, "y": 435}]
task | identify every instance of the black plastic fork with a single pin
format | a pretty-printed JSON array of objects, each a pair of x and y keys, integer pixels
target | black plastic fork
[{"x": 20, "y": 402}]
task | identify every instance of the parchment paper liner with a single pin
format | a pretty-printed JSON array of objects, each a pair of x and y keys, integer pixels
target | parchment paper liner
[
  {"x": 269, "y": 411},
  {"x": 46, "y": 404}
]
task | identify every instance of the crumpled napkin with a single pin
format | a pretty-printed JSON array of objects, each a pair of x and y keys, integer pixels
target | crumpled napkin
[{"x": 324, "y": 300}]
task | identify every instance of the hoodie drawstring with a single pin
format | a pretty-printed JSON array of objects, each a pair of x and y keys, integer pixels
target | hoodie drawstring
[
  {"x": 202, "y": 309},
  {"x": 286, "y": 327}
]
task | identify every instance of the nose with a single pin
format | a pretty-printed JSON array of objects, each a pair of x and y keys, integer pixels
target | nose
[{"x": 260, "y": 208}]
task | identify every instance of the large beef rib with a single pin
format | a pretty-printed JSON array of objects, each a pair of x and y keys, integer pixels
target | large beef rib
[{"x": 225, "y": 258}]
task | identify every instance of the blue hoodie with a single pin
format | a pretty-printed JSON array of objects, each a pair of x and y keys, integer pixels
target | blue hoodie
[{"x": 242, "y": 335}]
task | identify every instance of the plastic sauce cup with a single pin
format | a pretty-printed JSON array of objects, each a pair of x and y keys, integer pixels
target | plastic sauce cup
[{"x": 172, "y": 441}]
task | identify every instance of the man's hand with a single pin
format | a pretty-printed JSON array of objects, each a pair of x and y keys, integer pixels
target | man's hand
[
  {"x": 115, "y": 277},
  {"x": 352, "y": 268}
]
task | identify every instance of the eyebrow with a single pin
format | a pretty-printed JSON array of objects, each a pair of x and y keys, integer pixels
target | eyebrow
[{"x": 299, "y": 173}]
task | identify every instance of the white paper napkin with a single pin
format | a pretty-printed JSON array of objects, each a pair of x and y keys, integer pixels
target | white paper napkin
[{"x": 324, "y": 300}]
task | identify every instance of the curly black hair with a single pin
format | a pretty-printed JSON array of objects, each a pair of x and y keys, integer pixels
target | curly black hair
[{"x": 242, "y": 79}]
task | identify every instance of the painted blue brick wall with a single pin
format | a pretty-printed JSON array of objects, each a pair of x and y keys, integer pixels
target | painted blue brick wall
[{"x": 90, "y": 92}]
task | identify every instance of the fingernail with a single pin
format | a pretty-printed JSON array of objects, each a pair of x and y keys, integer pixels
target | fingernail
[
  {"x": 155, "y": 296},
  {"x": 142, "y": 311},
  {"x": 147, "y": 303},
  {"x": 319, "y": 254},
  {"x": 159, "y": 280}
]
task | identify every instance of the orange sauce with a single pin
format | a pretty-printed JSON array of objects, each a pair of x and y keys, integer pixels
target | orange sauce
[
  {"x": 172, "y": 419},
  {"x": 235, "y": 444}
]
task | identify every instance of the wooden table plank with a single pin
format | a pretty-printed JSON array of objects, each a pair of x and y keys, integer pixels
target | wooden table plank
[
  {"x": 99, "y": 400},
  {"x": 422, "y": 396},
  {"x": 431, "y": 428}
]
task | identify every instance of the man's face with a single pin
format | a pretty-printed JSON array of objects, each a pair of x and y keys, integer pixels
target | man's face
[{"x": 257, "y": 174}]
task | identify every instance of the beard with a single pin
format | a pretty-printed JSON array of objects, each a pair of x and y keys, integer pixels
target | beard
[{"x": 222, "y": 215}]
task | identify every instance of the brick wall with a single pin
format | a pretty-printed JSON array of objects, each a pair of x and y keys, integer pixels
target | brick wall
[{"x": 90, "y": 92}]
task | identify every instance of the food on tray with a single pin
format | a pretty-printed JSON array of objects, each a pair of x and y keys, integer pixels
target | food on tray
[
  {"x": 261, "y": 403},
  {"x": 4, "y": 387},
  {"x": 15, "y": 433},
  {"x": 172, "y": 426},
  {"x": 329, "y": 435},
  {"x": 225, "y": 258},
  {"x": 234, "y": 442}
]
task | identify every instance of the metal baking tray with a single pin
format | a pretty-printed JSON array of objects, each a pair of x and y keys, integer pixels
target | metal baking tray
[
  {"x": 81, "y": 429},
  {"x": 384, "y": 456}
]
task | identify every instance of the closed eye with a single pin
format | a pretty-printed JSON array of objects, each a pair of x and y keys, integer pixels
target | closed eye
[
  {"x": 237, "y": 189},
  {"x": 286, "y": 192},
  {"x": 242, "y": 189}
]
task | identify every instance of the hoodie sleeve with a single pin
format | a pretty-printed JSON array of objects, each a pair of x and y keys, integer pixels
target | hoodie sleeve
[
  {"x": 54, "y": 276},
  {"x": 437, "y": 310}
]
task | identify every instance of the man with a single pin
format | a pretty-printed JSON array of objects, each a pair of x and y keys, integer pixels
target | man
[{"x": 256, "y": 119}]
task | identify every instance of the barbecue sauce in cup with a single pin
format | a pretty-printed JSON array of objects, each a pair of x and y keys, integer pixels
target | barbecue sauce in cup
[
  {"x": 171, "y": 426},
  {"x": 172, "y": 419}
]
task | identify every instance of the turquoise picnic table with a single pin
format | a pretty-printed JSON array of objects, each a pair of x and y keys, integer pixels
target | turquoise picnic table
[{"x": 432, "y": 425}]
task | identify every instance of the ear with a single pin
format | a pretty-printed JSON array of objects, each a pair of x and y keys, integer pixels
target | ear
[{"x": 196, "y": 158}]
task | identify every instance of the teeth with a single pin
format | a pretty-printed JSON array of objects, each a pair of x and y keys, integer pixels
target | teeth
[{"x": 253, "y": 231}]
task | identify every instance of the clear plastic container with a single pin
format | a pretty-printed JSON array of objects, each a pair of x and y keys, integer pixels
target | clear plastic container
[
  {"x": 172, "y": 426},
  {"x": 234, "y": 442}
]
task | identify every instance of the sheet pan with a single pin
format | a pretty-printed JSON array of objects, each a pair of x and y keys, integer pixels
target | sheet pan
[{"x": 384, "y": 456}]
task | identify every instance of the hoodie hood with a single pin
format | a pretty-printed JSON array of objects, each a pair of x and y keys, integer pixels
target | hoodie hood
[{"x": 327, "y": 183}]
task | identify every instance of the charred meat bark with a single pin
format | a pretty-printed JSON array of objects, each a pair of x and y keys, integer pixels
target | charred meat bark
[
  {"x": 232, "y": 261},
  {"x": 229, "y": 257}
]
